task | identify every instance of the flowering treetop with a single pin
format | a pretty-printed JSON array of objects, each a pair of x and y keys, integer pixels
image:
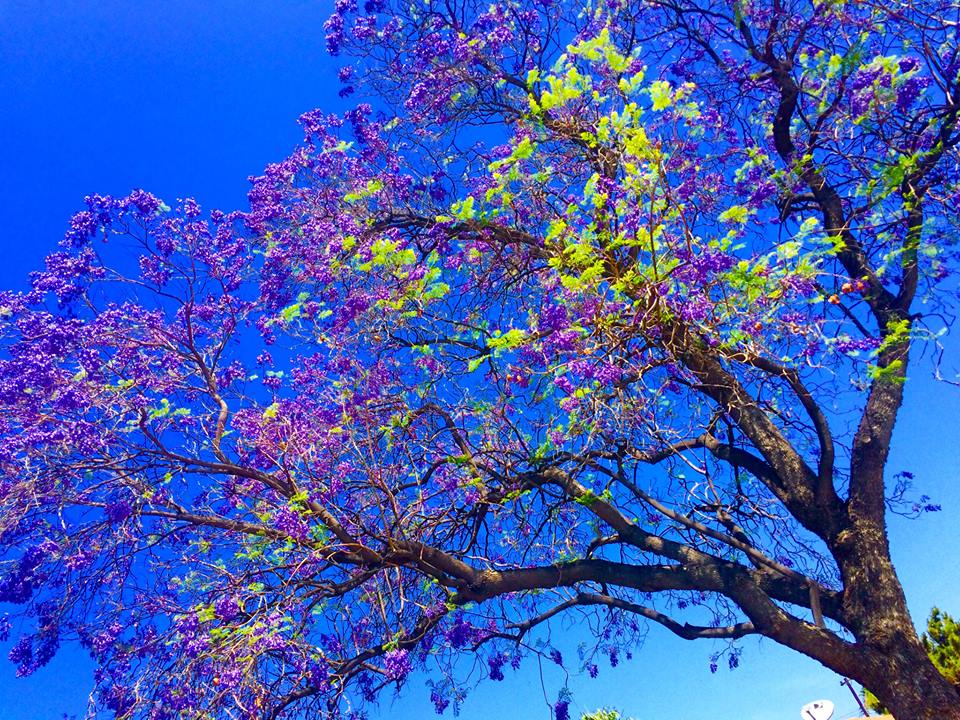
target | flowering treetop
[{"x": 582, "y": 309}]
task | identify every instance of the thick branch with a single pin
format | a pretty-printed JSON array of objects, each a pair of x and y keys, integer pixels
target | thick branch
[{"x": 685, "y": 630}]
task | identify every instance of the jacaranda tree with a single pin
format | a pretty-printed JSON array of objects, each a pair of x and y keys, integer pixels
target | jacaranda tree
[{"x": 593, "y": 310}]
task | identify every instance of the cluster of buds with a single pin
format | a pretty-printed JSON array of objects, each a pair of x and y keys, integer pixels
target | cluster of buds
[{"x": 848, "y": 287}]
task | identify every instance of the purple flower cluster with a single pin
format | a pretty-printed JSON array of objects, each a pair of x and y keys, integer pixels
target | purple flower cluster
[
  {"x": 461, "y": 633},
  {"x": 227, "y": 607},
  {"x": 733, "y": 660},
  {"x": 191, "y": 638},
  {"x": 101, "y": 643},
  {"x": 397, "y": 663},
  {"x": 563, "y": 383},
  {"x": 21, "y": 654},
  {"x": 495, "y": 664},
  {"x": 118, "y": 511},
  {"x": 101, "y": 212},
  {"x": 853, "y": 345},
  {"x": 554, "y": 317},
  {"x": 365, "y": 27},
  {"x": 31, "y": 652},
  {"x": 290, "y": 522},
  {"x": 334, "y": 37},
  {"x": 440, "y": 701},
  {"x": 910, "y": 91},
  {"x": 67, "y": 274},
  {"x": 319, "y": 675},
  {"x": 18, "y": 585},
  {"x": 331, "y": 643},
  {"x": 861, "y": 88},
  {"x": 703, "y": 267}
]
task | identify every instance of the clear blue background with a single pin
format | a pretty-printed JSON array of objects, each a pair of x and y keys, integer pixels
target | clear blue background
[{"x": 190, "y": 98}]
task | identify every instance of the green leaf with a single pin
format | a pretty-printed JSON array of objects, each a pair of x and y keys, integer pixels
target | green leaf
[
  {"x": 661, "y": 93},
  {"x": 735, "y": 214},
  {"x": 510, "y": 339},
  {"x": 476, "y": 362},
  {"x": 464, "y": 210},
  {"x": 271, "y": 412}
]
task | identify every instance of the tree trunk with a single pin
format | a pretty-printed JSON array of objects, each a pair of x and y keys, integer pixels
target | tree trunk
[
  {"x": 898, "y": 670},
  {"x": 911, "y": 687}
]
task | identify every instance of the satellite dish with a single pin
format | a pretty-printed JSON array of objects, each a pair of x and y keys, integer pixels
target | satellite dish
[{"x": 817, "y": 710}]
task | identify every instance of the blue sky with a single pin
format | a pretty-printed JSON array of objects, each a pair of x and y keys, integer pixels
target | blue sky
[{"x": 186, "y": 98}]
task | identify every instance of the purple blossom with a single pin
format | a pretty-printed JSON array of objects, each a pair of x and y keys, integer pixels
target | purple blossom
[
  {"x": 331, "y": 643},
  {"x": 118, "y": 511},
  {"x": 854, "y": 345},
  {"x": 801, "y": 284},
  {"x": 908, "y": 93},
  {"x": 365, "y": 28},
  {"x": 83, "y": 227},
  {"x": 334, "y": 37},
  {"x": 290, "y": 522},
  {"x": 102, "y": 642},
  {"x": 460, "y": 633},
  {"x": 226, "y": 607},
  {"x": 21, "y": 654},
  {"x": 439, "y": 700},
  {"x": 18, "y": 585},
  {"x": 908, "y": 64},
  {"x": 553, "y": 317},
  {"x": 496, "y": 663},
  {"x": 397, "y": 663},
  {"x": 319, "y": 674},
  {"x": 564, "y": 384},
  {"x": 143, "y": 202},
  {"x": 190, "y": 208}
]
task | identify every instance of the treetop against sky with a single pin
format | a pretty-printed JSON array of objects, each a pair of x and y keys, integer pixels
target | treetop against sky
[{"x": 602, "y": 311}]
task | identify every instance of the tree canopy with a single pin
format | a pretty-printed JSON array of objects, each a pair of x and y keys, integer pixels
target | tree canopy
[{"x": 585, "y": 308}]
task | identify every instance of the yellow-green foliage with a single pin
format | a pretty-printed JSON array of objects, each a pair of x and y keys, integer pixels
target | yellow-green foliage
[{"x": 603, "y": 714}]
